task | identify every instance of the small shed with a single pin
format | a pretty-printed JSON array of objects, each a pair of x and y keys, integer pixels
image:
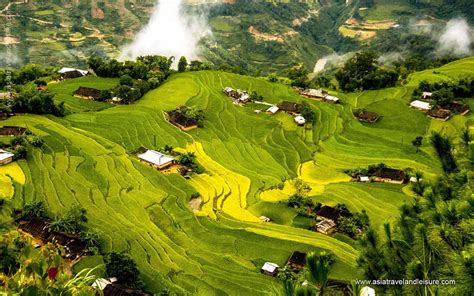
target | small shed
[
  {"x": 6, "y": 157},
  {"x": 36, "y": 227},
  {"x": 289, "y": 107},
  {"x": 300, "y": 120},
  {"x": 264, "y": 219},
  {"x": 364, "y": 179},
  {"x": 420, "y": 105},
  {"x": 367, "y": 116},
  {"x": 270, "y": 269},
  {"x": 273, "y": 109},
  {"x": 332, "y": 99},
  {"x": 297, "y": 260},
  {"x": 426, "y": 95}
]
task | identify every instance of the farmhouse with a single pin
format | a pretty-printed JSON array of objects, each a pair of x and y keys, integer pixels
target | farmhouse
[
  {"x": 420, "y": 105},
  {"x": 270, "y": 269},
  {"x": 367, "y": 116},
  {"x": 289, "y": 107},
  {"x": 313, "y": 94},
  {"x": 328, "y": 217},
  {"x": 297, "y": 260},
  {"x": 156, "y": 159},
  {"x": 177, "y": 118},
  {"x": 389, "y": 175},
  {"x": 70, "y": 73},
  {"x": 87, "y": 93},
  {"x": 439, "y": 113},
  {"x": 300, "y": 120},
  {"x": 39, "y": 229},
  {"x": 273, "y": 109},
  {"x": 458, "y": 107},
  {"x": 6, "y": 157},
  {"x": 12, "y": 131}
]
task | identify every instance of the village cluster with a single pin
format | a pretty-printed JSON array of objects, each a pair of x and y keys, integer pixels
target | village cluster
[{"x": 439, "y": 112}]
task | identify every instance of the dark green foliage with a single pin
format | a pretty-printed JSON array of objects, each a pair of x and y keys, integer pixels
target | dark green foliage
[
  {"x": 363, "y": 72},
  {"x": 37, "y": 102},
  {"x": 353, "y": 224},
  {"x": 445, "y": 92},
  {"x": 431, "y": 240},
  {"x": 299, "y": 76},
  {"x": 126, "y": 80},
  {"x": 183, "y": 64},
  {"x": 187, "y": 159},
  {"x": 37, "y": 142},
  {"x": 305, "y": 110},
  {"x": 443, "y": 147},
  {"x": 71, "y": 222},
  {"x": 35, "y": 209},
  {"x": 417, "y": 142},
  {"x": 124, "y": 269}
]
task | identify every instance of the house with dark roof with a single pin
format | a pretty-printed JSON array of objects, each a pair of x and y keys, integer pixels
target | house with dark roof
[
  {"x": 115, "y": 289},
  {"x": 180, "y": 120},
  {"x": 297, "y": 260},
  {"x": 288, "y": 107},
  {"x": 367, "y": 116},
  {"x": 12, "y": 131},
  {"x": 73, "y": 246},
  {"x": 457, "y": 107},
  {"x": 88, "y": 93},
  {"x": 388, "y": 175},
  {"x": 36, "y": 227},
  {"x": 70, "y": 73},
  {"x": 439, "y": 113}
]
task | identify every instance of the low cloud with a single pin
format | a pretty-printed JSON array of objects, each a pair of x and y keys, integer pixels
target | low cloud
[
  {"x": 171, "y": 31},
  {"x": 456, "y": 38}
]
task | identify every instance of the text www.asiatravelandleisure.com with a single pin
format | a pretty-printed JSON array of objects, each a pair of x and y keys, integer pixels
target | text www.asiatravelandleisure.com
[{"x": 400, "y": 282}]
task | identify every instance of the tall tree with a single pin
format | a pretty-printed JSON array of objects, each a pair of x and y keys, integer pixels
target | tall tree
[{"x": 182, "y": 64}]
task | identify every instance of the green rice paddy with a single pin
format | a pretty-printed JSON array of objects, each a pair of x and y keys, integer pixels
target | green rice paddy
[{"x": 86, "y": 160}]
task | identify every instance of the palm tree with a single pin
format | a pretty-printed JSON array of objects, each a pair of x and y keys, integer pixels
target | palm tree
[{"x": 317, "y": 272}]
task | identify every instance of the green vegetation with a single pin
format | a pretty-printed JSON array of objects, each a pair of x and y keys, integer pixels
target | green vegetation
[{"x": 249, "y": 160}]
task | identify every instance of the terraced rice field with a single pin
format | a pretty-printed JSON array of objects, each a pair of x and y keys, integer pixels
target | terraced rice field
[{"x": 86, "y": 160}]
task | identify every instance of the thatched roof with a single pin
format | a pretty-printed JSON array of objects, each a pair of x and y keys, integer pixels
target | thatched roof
[
  {"x": 288, "y": 106},
  {"x": 178, "y": 118},
  {"x": 12, "y": 130},
  {"x": 367, "y": 116},
  {"x": 88, "y": 92},
  {"x": 329, "y": 213}
]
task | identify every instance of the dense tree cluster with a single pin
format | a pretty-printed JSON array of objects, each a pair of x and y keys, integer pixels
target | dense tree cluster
[
  {"x": 27, "y": 73},
  {"x": 443, "y": 147},
  {"x": 123, "y": 268},
  {"x": 136, "y": 77},
  {"x": 363, "y": 72},
  {"x": 432, "y": 239},
  {"x": 31, "y": 100},
  {"x": 445, "y": 92}
]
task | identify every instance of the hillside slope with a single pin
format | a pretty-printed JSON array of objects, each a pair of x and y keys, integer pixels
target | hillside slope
[
  {"x": 86, "y": 160},
  {"x": 255, "y": 35}
]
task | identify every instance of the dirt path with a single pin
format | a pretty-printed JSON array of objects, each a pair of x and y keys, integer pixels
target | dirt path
[{"x": 320, "y": 64}]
